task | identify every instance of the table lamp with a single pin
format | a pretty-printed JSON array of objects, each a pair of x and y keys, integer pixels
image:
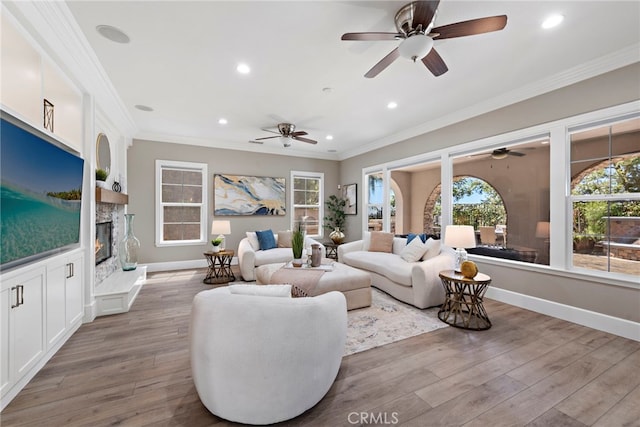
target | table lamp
[
  {"x": 460, "y": 237},
  {"x": 542, "y": 229},
  {"x": 221, "y": 228}
]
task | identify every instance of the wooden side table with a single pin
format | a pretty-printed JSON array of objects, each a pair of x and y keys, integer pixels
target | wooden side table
[
  {"x": 219, "y": 267},
  {"x": 332, "y": 249},
  {"x": 463, "y": 306}
]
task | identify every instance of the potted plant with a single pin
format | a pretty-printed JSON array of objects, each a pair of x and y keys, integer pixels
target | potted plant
[
  {"x": 101, "y": 178},
  {"x": 216, "y": 244},
  {"x": 335, "y": 219},
  {"x": 297, "y": 243}
]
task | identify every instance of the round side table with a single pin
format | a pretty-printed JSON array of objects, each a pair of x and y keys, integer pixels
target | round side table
[
  {"x": 219, "y": 267},
  {"x": 463, "y": 306}
]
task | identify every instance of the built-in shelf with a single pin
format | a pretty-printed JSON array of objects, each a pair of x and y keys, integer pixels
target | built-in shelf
[{"x": 107, "y": 196}]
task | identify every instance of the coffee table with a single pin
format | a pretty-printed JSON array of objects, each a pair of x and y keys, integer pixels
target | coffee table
[{"x": 353, "y": 283}]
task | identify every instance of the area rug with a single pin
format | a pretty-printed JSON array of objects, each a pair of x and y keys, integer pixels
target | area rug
[{"x": 387, "y": 320}]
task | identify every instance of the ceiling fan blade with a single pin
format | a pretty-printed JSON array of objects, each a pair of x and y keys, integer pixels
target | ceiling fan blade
[
  {"x": 256, "y": 142},
  {"x": 470, "y": 28},
  {"x": 299, "y": 138},
  {"x": 371, "y": 36},
  {"x": 384, "y": 63},
  {"x": 515, "y": 153},
  {"x": 434, "y": 62},
  {"x": 299, "y": 133},
  {"x": 424, "y": 13},
  {"x": 267, "y": 137},
  {"x": 271, "y": 131}
]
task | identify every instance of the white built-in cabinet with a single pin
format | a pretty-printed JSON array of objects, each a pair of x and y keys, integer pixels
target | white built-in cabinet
[{"x": 41, "y": 308}]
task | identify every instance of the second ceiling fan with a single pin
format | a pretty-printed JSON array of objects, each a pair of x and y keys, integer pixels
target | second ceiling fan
[
  {"x": 414, "y": 23},
  {"x": 286, "y": 132}
]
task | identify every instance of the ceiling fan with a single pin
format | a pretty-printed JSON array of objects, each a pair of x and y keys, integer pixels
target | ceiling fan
[
  {"x": 286, "y": 132},
  {"x": 502, "y": 153},
  {"x": 414, "y": 22}
]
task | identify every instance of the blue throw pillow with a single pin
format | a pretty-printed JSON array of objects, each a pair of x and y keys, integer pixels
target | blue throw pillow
[
  {"x": 266, "y": 239},
  {"x": 412, "y": 236}
]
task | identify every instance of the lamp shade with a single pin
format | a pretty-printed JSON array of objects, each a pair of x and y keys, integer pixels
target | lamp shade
[
  {"x": 542, "y": 230},
  {"x": 460, "y": 236},
  {"x": 220, "y": 227}
]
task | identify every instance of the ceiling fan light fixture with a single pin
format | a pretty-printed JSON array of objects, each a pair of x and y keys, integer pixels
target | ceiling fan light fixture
[
  {"x": 499, "y": 155},
  {"x": 415, "y": 47},
  {"x": 286, "y": 141}
]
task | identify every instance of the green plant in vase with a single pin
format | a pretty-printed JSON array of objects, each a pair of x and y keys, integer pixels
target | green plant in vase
[
  {"x": 297, "y": 243},
  {"x": 336, "y": 218},
  {"x": 216, "y": 244}
]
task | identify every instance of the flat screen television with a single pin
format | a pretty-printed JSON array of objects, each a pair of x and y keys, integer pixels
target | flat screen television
[{"x": 40, "y": 194}]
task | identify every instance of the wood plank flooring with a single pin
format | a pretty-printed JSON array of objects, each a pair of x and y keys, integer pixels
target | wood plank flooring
[{"x": 527, "y": 370}]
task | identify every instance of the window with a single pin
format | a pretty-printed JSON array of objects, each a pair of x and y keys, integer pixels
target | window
[
  {"x": 605, "y": 196},
  {"x": 375, "y": 201},
  {"x": 307, "y": 196},
  {"x": 504, "y": 193},
  {"x": 181, "y": 203}
]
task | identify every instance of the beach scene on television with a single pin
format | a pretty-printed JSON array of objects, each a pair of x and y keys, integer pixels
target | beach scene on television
[{"x": 40, "y": 190}]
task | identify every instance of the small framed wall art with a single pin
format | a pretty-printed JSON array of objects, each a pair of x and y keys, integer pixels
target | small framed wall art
[{"x": 350, "y": 194}]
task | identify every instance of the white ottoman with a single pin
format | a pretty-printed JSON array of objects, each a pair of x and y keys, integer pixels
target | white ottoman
[{"x": 353, "y": 283}]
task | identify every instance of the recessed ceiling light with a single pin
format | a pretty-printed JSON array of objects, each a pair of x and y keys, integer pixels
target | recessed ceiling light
[
  {"x": 143, "y": 107},
  {"x": 222, "y": 121},
  {"x": 392, "y": 105},
  {"x": 112, "y": 33},
  {"x": 332, "y": 151},
  {"x": 552, "y": 21},
  {"x": 327, "y": 89},
  {"x": 329, "y": 137},
  {"x": 243, "y": 68}
]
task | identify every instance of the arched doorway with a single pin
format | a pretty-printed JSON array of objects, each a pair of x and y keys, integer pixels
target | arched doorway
[{"x": 475, "y": 202}]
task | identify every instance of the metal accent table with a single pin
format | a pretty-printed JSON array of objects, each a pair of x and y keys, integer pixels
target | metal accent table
[
  {"x": 463, "y": 306},
  {"x": 219, "y": 267}
]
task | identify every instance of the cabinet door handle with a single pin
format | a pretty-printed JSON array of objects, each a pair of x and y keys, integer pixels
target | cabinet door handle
[
  {"x": 19, "y": 295},
  {"x": 15, "y": 288}
]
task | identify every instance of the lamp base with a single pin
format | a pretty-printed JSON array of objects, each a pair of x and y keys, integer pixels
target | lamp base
[
  {"x": 221, "y": 236},
  {"x": 461, "y": 256}
]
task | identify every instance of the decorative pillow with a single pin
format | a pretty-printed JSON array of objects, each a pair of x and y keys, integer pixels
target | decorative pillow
[
  {"x": 283, "y": 291},
  {"x": 381, "y": 242},
  {"x": 284, "y": 239},
  {"x": 253, "y": 240},
  {"x": 413, "y": 251},
  {"x": 433, "y": 249},
  {"x": 266, "y": 239},
  {"x": 412, "y": 236},
  {"x": 298, "y": 292}
]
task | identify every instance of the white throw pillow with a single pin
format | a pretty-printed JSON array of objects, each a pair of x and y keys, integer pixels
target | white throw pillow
[
  {"x": 262, "y": 290},
  {"x": 433, "y": 248},
  {"x": 413, "y": 251},
  {"x": 253, "y": 239}
]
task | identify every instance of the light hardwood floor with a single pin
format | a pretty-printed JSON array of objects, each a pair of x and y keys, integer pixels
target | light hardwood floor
[{"x": 528, "y": 369}]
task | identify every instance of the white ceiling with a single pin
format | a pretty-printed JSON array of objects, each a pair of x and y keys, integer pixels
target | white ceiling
[{"x": 182, "y": 59}]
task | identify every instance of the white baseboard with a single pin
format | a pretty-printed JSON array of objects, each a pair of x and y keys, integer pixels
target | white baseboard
[
  {"x": 180, "y": 265},
  {"x": 602, "y": 322}
]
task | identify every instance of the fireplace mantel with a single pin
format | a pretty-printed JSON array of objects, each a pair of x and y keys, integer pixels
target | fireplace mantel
[{"x": 107, "y": 196}]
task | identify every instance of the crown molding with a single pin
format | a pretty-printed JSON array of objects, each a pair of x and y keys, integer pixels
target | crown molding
[
  {"x": 604, "y": 64},
  {"x": 53, "y": 27}
]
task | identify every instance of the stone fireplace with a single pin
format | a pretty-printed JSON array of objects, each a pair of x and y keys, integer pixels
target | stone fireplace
[{"x": 109, "y": 213}]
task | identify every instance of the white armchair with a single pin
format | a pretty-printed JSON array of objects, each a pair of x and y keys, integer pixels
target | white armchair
[
  {"x": 265, "y": 359},
  {"x": 250, "y": 257}
]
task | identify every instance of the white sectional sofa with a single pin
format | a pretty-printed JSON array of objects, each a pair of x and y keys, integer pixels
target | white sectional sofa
[
  {"x": 416, "y": 283},
  {"x": 250, "y": 257}
]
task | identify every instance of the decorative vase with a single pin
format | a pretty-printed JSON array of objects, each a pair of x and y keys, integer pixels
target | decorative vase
[
  {"x": 316, "y": 255},
  {"x": 129, "y": 246},
  {"x": 216, "y": 249},
  {"x": 337, "y": 236},
  {"x": 101, "y": 184},
  {"x": 297, "y": 262}
]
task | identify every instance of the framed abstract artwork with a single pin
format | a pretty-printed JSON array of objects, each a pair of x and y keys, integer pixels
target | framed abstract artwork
[
  {"x": 350, "y": 194},
  {"x": 248, "y": 195}
]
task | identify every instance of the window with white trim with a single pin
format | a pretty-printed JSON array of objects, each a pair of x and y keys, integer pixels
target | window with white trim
[
  {"x": 307, "y": 194},
  {"x": 181, "y": 203}
]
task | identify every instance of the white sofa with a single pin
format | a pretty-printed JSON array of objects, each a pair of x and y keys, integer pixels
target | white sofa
[
  {"x": 265, "y": 359},
  {"x": 416, "y": 283},
  {"x": 250, "y": 257}
]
